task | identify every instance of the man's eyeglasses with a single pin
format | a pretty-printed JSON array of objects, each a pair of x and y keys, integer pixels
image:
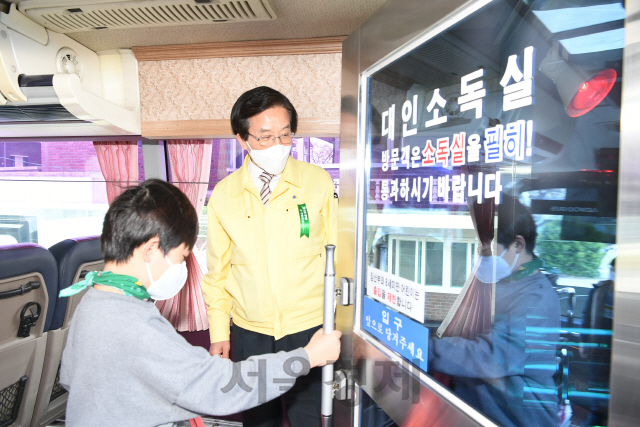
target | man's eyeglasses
[{"x": 269, "y": 140}]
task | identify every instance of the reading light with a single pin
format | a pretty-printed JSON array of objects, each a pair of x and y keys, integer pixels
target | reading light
[
  {"x": 592, "y": 92},
  {"x": 580, "y": 91}
]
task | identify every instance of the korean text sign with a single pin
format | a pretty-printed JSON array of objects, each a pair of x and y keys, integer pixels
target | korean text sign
[
  {"x": 416, "y": 165},
  {"x": 401, "y": 334},
  {"x": 401, "y": 294}
]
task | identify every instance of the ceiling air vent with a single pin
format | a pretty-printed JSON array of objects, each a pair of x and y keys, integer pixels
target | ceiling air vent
[{"x": 68, "y": 16}]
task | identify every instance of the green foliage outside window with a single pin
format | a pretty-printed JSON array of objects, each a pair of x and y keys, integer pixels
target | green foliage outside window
[{"x": 572, "y": 258}]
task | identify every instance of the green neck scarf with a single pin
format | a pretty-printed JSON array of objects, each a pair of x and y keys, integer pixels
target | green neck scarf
[
  {"x": 529, "y": 268},
  {"x": 129, "y": 285}
]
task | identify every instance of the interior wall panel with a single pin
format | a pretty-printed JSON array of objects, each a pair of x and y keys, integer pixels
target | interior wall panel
[{"x": 177, "y": 97}]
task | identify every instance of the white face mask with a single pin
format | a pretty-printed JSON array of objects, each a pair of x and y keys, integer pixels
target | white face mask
[
  {"x": 170, "y": 283},
  {"x": 491, "y": 269},
  {"x": 273, "y": 159}
]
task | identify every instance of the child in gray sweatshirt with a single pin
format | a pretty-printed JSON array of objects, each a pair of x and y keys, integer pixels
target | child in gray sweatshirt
[{"x": 124, "y": 364}]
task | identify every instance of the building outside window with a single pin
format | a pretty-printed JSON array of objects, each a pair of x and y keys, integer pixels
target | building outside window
[
  {"x": 50, "y": 191},
  {"x": 442, "y": 266}
]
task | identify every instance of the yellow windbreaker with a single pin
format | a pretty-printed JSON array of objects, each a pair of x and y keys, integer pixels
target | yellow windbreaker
[{"x": 258, "y": 261}]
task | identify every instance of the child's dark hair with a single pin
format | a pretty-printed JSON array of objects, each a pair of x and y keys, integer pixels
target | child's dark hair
[
  {"x": 154, "y": 208},
  {"x": 514, "y": 220},
  {"x": 254, "y": 102}
]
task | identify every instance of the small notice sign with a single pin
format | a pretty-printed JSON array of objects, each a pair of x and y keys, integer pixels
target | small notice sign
[
  {"x": 402, "y": 295},
  {"x": 406, "y": 337}
]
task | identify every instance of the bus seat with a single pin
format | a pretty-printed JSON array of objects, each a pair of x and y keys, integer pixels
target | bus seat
[
  {"x": 75, "y": 257},
  {"x": 561, "y": 377},
  {"x": 28, "y": 286},
  {"x": 571, "y": 293},
  {"x": 593, "y": 372}
]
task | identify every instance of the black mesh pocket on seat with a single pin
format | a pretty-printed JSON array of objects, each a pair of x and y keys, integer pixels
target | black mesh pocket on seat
[
  {"x": 57, "y": 389},
  {"x": 10, "y": 400}
]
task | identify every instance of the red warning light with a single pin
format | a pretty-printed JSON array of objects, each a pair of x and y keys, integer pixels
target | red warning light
[{"x": 592, "y": 92}]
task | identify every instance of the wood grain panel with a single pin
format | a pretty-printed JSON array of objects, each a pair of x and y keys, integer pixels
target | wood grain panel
[
  {"x": 321, "y": 45},
  {"x": 307, "y": 127}
]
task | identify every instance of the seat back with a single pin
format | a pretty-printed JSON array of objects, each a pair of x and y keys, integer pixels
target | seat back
[
  {"x": 74, "y": 257},
  {"x": 28, "y": 284},
  {"x": 602, "y": 306},
  {"x": 570, "y": 301}
]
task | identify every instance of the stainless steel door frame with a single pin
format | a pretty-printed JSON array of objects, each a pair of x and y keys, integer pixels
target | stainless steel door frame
[
  {"x": 419, "y": 397},
  {"x": 625, "y": 363},
  {"x": 344, "y": 414},
  {"x": 396, "y": 28},
  {"x": 395, "y": 25}
]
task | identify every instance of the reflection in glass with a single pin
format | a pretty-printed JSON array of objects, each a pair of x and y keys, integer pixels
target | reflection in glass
[
  {"x": 512, "y": 117},
  {"x": 407, "y": 259},
  {"x": 372, "y": 415},
  {"x": 433, "y": 269},
  {"x": 394, "y": 250},
  {"x": 458, "y": 264},
  {"x": 527, "y": 314}
]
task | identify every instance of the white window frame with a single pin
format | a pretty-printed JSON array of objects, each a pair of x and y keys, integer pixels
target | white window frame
[
  {"x": 299, "y": 145},
  {"x": 472, "y": 244},
  {"x": 232, "y": 152},
  {"x": 446, "y": 260}
]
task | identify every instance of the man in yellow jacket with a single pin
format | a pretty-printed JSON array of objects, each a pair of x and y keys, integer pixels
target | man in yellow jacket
[{"x": 268, "y": 224}]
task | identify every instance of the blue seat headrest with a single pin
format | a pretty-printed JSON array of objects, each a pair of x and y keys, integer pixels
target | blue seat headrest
[
  {"x": 25, "y": 258},
  {"x": 70, "y": 254}
]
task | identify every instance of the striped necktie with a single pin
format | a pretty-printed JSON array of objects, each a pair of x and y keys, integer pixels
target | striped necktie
[{"x": 266, "y": 191}]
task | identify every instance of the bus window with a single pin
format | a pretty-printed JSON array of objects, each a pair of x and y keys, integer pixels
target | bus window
[{"x": 51, "y": 191}]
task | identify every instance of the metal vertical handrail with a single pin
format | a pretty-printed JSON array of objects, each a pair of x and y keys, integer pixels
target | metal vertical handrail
[{"x": 328, "y": 327}]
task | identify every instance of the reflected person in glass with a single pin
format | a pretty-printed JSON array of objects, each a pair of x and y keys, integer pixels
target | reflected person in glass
[{"x": 507, "y": 372}]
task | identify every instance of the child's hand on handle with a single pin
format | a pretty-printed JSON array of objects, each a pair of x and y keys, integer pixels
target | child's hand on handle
[
  {"x": 323, "y": 349},
  {"x": 220, "y": 348}
]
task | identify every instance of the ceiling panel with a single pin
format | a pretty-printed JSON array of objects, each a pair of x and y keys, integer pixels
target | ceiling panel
[{"x": 295, "y": 19}]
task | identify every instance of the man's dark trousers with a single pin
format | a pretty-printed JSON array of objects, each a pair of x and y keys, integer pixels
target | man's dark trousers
[{"x": 302, "y": 401}]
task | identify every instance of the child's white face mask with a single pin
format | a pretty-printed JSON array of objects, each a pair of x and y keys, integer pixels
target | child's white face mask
[{"x": 170, "y": 283}]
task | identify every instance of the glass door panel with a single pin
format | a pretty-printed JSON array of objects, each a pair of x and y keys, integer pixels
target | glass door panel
[{"x": 491, "y": 193}]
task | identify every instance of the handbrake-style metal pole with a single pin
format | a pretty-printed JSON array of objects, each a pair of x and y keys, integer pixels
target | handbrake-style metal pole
[{"x": 328, "y": 327}]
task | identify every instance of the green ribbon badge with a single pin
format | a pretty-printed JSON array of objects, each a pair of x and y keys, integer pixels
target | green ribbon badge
[{"x": 304, "y": 220}]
